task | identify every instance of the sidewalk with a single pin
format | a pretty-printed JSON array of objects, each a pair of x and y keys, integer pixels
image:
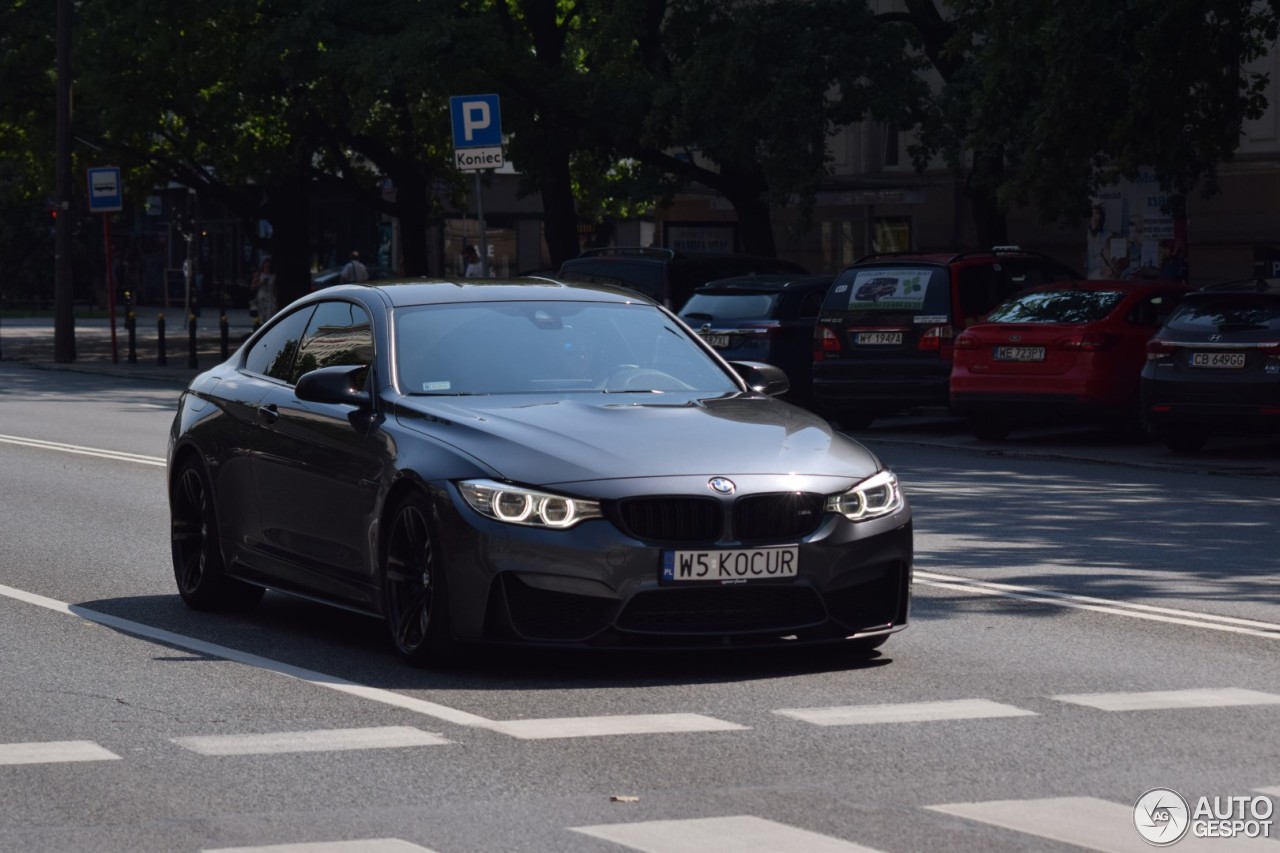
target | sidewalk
[{"x": 31, "y": 341}]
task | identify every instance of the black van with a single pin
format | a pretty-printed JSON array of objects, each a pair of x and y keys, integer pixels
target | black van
[
  {"x": 883, "y": 340},
  {"x": 665, "y": 275}
]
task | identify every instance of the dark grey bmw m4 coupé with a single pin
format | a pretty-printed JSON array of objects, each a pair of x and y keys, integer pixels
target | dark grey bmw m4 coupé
[{"x": 528, "y": 462}]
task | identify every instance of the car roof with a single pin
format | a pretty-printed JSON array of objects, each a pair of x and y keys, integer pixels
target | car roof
[
  {"x": 1244, "y": 285},
  {"x": 765, "y": 282},
  {"x": 426, "y": 291}
]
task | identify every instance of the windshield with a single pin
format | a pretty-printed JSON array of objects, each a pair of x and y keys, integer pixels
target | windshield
[
  {"x": 549, "y": 347},
  {"x": 729, "y": 306},
  {"x": 1057, "y": 306},
  {"x": 1244, "y": 312},
  {"x": 913, "y": 289}
]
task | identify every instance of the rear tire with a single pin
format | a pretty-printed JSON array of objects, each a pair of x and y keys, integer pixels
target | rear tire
[
  {"x": 198, "y": 567},
  {"x": 414, "y": 597},
  {"x": 989, "y": 429},
  {"x": 1184, "y": 440}
]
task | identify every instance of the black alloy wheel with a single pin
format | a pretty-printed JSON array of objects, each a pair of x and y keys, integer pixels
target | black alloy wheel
[
  {"x": 197, "y": 558},
  {"x": 413, "y": 586}
]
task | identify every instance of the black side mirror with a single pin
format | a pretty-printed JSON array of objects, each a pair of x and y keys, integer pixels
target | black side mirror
[
  {"x": 768, "y": 379},
  {"x": 343, "y": 385}
]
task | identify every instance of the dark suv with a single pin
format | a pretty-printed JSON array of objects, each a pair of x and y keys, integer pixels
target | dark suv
[
  {"x": 883, "y": 341},
  {"x": 765, "y": 318},
  {"x": 1214, "y": 367},
  {"x": 665, "y": 275}
]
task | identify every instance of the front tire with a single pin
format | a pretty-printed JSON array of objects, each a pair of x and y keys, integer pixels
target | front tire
[
  {"x": 414, "y": 600},
  {"x": 198, "y": 567}
]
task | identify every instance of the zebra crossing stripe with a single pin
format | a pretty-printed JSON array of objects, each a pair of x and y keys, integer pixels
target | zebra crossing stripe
[
  {"x": 365, "y": 845},
  {"x": 910, "y": 712},
  {"x": 54, "y": 752},
  {"x": 1088, "y": 822},
  {"x": 324, "y": 740},
  {"x": 631, "y": 724},
  {"x": 719, "y": 835},
  {"x": 1159, "y": 700}
]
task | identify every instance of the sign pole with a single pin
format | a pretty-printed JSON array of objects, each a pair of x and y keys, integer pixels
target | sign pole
[
  {"x": 484, "y": 231},
  {"x": 111, "y": 290}
]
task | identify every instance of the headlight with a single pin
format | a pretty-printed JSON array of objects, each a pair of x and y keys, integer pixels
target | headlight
[
  {"x": 515, "y": 505},
  {"x": 874, "y": 497}
]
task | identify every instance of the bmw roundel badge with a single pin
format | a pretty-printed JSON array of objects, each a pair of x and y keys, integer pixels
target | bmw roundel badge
[{"x": 722, "y": 485}]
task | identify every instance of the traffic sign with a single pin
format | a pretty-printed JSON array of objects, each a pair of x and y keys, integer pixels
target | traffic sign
[
  {"x": 104, "y": 190},
  {"x": 477, "y": 131}
]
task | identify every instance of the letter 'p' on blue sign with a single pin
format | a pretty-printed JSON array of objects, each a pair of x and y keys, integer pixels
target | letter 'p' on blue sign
[{"x": 477, "y": 121}]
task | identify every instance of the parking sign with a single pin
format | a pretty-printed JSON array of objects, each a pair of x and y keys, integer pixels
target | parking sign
[{"x": 477, "y": 131}]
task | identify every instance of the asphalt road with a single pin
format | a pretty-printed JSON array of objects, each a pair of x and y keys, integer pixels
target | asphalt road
[{"x": 1083, "y": 631}]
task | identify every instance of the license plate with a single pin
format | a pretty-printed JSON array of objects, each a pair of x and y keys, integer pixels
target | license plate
[
  {"x": 877, "y": 338},
  {"x": 730, "y": 565},
  {"x": 1217, "y": 359},
  {"x": 717, "y": 341},
  {"x": 1019, "y": 353}
]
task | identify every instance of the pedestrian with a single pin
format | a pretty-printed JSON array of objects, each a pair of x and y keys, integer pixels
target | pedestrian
[
  {"x": 354, "y": 270},
  {"x": 471, "y": 266},
  {"x": 262, "y": 291}
]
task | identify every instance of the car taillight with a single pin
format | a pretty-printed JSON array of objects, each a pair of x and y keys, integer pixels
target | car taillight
[
  {"x": 1085, "y": 342},
  {"x": 825, "y": 340},
  {"x": 934, "y": 337},
  {"x": 1158, "y": 349}
]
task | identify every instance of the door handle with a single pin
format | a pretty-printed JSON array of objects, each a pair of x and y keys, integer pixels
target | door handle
[{"x": 268, "y": 414}]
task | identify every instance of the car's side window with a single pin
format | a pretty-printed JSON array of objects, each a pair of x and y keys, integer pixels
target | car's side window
[
  {"x": 339, "y": 333},
  {"x": 811, "y": 304},
  {"x": 1154, "y": 310},
  {"x": 274, "y": 352}
]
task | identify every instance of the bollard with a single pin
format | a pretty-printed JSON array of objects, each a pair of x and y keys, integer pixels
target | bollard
[
  {"x": 131, "y": 325},
  {"x": 224, "y": 335},
  {"x": 192, "y": 361},
  {"x": 161, "y": 358}
]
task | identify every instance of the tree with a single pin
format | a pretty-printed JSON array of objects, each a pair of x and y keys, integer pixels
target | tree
[{"x": 1042, "y": 102}]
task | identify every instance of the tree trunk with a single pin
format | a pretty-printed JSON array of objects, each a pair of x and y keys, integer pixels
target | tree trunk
[
  {"x": 560, "y": 214},
  {"x": 288, "y": 209},
  {"x": 746, "y": 192}
]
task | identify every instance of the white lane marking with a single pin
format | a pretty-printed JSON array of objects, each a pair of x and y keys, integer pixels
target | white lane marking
[
  {"x": 319, "y": 679},
  {"x": 742, "y": 834},
  {"x": 635, "y": 724},
  {"x": 908, "y": 712},
  {"x": 1086, "y": 822},
  {"x": 1230, "y": 624},
  {"x": 320, "y": 740},
  {"x": 332, "y": 682},
  {"x": 1158, "y": 700},
  {"x": 117, "y": 455},
  {"x": 54, "y": 752},
  {"x": 365, "y": 845}
]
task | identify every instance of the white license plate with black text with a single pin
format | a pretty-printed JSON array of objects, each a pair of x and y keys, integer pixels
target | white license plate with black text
[
  {"x": 1217, "y": 359},
  {"x": 717, "y": 341},
  {"x": 730, "y": 565},
  {"x": 1019, "y": 353},
  {"x": 878, "y": 338}
]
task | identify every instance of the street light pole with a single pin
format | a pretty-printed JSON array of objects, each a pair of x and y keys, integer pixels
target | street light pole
[{"x": 64, "y": 332}]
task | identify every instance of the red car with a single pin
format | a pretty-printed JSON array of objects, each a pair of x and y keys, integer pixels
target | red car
[{"x": 1068, "y": 351}]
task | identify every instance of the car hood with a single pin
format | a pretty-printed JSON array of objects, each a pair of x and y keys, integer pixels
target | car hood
[{"x": 549, "y": 440}]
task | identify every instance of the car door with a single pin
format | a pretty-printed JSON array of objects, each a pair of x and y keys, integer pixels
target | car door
[{"x": 317, "y": 466}]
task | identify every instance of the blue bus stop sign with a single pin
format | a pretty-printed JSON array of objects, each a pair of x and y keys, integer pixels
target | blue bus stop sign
[{"x": 104, "y": 190}]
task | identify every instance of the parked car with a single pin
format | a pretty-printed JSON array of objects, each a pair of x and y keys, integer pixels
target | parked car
[
  {"x": 1214, "y": 367},
  {"x": 333, "y": 275},
  {"x": 883, "y": 341},
  {"x": 664, "y": 275},
  {"x": 564, "y": 465},
  {"x": 765, "y": 318},
  {"x": 1069, "y": 351}
]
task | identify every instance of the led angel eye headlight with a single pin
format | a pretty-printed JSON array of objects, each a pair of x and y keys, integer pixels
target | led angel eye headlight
[
  {"x": 514, "y": 505},
  {"x": 874, "y": 497}
]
